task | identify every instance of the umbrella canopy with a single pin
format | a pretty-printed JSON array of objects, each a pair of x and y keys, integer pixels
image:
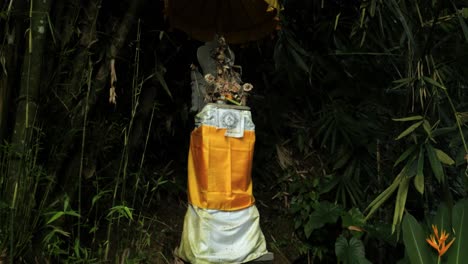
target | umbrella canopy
[{"x": 239, "y": 21}]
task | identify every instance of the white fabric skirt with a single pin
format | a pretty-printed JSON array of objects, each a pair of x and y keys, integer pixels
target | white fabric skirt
[{"x": 214, "y": 236}]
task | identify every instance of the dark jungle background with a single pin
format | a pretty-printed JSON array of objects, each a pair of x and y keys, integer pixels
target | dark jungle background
[{"x": 361, "y": 122}]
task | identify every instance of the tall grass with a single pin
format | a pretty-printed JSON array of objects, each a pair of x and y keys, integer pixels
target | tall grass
[
  {"x": 96, "y": 219},
  {"x": 23, "y": 198}
]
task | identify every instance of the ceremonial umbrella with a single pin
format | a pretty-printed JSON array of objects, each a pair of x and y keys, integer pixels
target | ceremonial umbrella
[{"x": 239, "y": 21}]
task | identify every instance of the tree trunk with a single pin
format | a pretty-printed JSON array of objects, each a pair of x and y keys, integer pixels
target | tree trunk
[
  {"x": 19, "y": 188},
  {"x": 30, "y": 85}
]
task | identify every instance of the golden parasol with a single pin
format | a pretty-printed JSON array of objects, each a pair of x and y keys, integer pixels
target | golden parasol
[{"x": 239, "y": 21}]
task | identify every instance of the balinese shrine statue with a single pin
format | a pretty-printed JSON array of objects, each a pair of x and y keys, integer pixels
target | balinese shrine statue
[{"x": 221, "y": 224}]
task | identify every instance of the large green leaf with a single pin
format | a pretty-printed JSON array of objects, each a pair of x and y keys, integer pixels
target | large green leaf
[
  {"x": 414, "y": 239},
  {"x": 354, "y": 221},
  {"x": 353, "y": 217},
  {"x": 442, "y": 218},
  {"x": 350, "y": 252},
  {"x": 324, "y": 213},
  {"x": 458, "y": 252}
]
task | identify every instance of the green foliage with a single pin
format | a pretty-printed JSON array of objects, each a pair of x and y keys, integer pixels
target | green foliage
[
  {"x": 119, "y": 211},
  {"x": 457, "y": 253},
  {"x": 66, "y": 170},
  {"x": 326, "y": 92},
  {"x": 66, "y": 211},
  {"x": 322, "y": 216},
  {"x": 395, "y": 54},
  {"x": 350, "y": 251},
  {"x": 455, "y": 223},
  {"x": 414, "y": 238},
  {"x": 322, "y": 213},
  {"x": 415, "y": 157}
]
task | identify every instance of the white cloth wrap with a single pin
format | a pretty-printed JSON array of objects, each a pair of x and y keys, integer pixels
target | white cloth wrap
[
  {"x": 213, "y": 236},
  {"x": 234, "y": 118}
]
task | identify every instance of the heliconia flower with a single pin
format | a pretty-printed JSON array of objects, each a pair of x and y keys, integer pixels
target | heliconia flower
[
  {"x": 209, "y": 78},
  {"x": 438, "y": 242},
  {"x": 247, "y": 87}
]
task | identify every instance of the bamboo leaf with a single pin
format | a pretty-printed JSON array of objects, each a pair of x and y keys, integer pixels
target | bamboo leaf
[
  {"x": 99, "y": 196},
  {"x": 163, "y": 83},
  {"x": 463, "y": 23},
  {"x": 60, "y": 231},
  {"x": 458, "y": 253},
  {"x": 337, "y": 19},
  {"x": 128, "y": 212},
  {"x": 402, "y": 82},
  {"x": 419, "y": 179},
  {"x": 409, "y": 130},
  {"x": 72, "y": 213},
  {"x": 435, "y": 163},
  {"x": 377, "y": 202},
  {"x": 427, "y": 128},
  {"x": 414, "y": 239},
  {"x": 372, "y": 8},
  {"x": 405, "y": 155},
  {"x": 409, "y": 118},
  {"x": 292, "y": 43},
  {"x": 434, "y": 82},
  {"x": 400, "y": 202},
  {"x": 56, "y": 216},
  {"x": 444, "y": 131},
  {"x": 299, "y": 61},
  {"x": 403, "y": 21},
  {"x": 444, "y": 157},
  {"x": 76, "y": 248}
]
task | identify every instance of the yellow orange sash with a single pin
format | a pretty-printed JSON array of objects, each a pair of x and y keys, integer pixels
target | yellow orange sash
[{"x": 219, "y": 166}]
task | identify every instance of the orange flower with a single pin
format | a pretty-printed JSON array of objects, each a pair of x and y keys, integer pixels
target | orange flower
[{"x": 439, "y": 242}]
